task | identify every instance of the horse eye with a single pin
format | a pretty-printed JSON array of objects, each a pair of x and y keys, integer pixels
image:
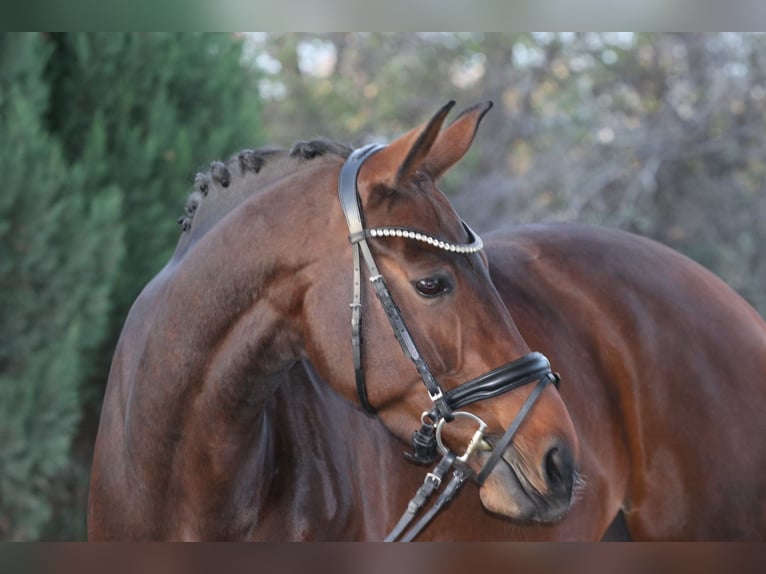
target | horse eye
[{"x": 431, "y": 286}]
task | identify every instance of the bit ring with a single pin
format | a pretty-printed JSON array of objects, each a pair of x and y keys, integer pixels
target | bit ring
[{"x": 472, "y": 444}]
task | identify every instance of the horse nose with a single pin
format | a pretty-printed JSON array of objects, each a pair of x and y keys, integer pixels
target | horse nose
[{"x": 559, "y": 470}]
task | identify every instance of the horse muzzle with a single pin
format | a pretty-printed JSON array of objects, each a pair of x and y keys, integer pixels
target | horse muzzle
[{"x": 531, "y": 493}]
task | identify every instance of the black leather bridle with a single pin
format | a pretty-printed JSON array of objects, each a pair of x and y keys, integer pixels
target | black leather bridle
[{"x": 533, "y": 367}]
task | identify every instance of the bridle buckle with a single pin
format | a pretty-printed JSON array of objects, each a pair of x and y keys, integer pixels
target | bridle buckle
[{"x": 435, "y": 478}]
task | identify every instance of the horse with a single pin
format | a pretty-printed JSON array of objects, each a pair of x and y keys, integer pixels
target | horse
[
  {"x": 662, "y": 376},
  {"x": 187, "y": 448},
  {"x": 661, "y": 367},
  {"x": 662, "y": 380}
]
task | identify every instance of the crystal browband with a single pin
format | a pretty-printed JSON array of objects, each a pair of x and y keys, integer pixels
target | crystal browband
[{"x": 474, "y": 246}]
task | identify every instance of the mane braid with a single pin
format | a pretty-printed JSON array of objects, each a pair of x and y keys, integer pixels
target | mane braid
[
  {"x": 220, "y": 173},
  {"x": 319, "y": 147},
  {"x": 251, "y": 161}
]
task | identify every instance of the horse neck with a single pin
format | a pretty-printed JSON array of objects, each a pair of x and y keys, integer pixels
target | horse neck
[{"x": 217, "y": 329}]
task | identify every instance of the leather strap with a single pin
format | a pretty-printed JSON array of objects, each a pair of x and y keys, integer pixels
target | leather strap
[
  {"x": 499, "y": 448},
  {"x": 459, "y": 476},
  {"x": 350, "y": 204},
  {"x": 522, "y": 371},
  {"x": 349, "y": 199},
  {"x": 431, "y": 483},
  {"x": 410, "y": 350},
  {"x": 356, "y": 335},
  {"x": 455, "y": 484}
]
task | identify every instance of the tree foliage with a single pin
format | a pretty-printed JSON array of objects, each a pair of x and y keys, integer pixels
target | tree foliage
[
  {"x": 56, "y": 273},
  {"x": 100, "y": 136},
  {"x": 654, "y": 133},
  {"x": 160, "y": 106}
]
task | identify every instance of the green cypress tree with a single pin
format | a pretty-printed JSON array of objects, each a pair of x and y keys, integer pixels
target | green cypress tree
[
  {"x": 167, "y": 104},
  {"x": 138, "y": 114},
  {"x": 60, "y": 252},
  {"x": 100, "y": 135}
]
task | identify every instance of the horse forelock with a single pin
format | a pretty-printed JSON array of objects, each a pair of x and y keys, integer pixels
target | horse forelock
[{"x": 218, "y": 189}]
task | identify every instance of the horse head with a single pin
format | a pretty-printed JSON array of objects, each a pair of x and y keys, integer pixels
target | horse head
[
  {"x": 449, "y": 325},
  {"x": 262, "y": 277}
]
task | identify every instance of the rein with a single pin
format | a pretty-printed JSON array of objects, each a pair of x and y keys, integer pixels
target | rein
[{"x": 426, "y": 442}]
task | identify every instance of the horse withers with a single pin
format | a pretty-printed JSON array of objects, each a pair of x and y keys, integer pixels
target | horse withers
[{"x": 189, "y": 447}]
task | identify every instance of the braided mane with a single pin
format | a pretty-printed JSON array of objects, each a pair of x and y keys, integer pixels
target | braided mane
[
  {"x": 225, "y": 185},
  {"x": 251, "y": 161}
]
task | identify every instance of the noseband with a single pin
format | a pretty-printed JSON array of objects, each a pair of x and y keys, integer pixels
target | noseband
[{"x": 426, "y": 442}]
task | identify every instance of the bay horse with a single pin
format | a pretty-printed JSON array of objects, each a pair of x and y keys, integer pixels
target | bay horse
[
  {"x": 262, "y": 280},
  {"x": 661, "y": 365}
]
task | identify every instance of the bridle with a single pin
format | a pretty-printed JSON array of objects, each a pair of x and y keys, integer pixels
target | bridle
[{"x": 426, "y": 442}]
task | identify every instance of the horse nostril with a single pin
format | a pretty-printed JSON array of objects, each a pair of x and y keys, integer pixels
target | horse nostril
[{"x": 559, "y": 469}]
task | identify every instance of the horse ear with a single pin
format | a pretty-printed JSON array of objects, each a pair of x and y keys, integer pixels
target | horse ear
[
  {"x": 397, "y": 163},
  {"x": 453, "y": 143}
]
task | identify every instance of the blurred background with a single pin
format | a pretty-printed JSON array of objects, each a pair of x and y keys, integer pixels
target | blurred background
[{"x": 101, "y": 135}]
